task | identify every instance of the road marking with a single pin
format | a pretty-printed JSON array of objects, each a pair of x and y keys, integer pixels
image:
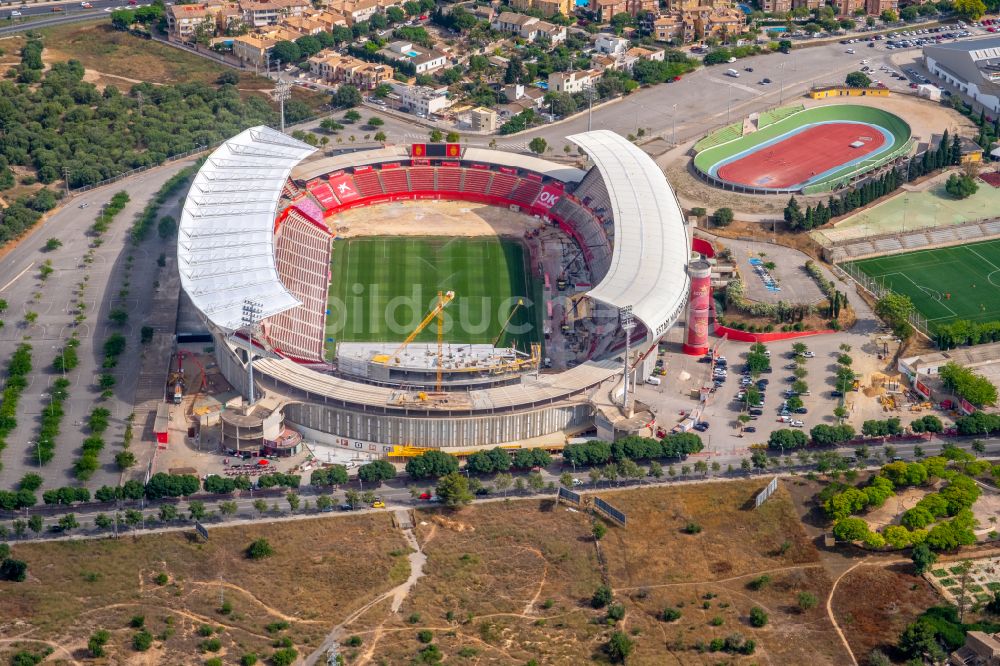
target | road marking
[
  {"x": 4, "y": 288},
  {"x": 738, "y": 86}
]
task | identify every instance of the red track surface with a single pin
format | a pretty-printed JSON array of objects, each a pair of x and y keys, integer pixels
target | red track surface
[{"x": 802, "y": 156}]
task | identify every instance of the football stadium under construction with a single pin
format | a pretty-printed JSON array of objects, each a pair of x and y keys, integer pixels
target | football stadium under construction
[{"x": 599, "y": 274}]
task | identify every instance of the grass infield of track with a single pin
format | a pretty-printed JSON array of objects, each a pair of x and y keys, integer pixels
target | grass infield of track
[
  {"x": 380, "y": 280},
  {"x": 969, "y": 273}
]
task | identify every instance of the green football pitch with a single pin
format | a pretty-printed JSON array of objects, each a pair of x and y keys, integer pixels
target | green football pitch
[
  {"x": 945, "y": 284},
  {"x": 382, "y": 287}
]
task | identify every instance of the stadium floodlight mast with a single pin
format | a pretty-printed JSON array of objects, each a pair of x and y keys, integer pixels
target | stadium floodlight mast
[
  {"x": 627, "y": 321},
  {"x": 281, "y": 94},
  {"x": 250, "y": 317}
]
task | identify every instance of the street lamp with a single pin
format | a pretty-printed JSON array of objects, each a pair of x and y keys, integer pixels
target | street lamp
[
  {"x": 282, "y": 93},
  {"x": 627, "y": 323},
  {"x": 673, "y": 125}
]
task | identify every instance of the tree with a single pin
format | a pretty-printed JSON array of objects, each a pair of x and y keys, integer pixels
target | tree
[
  {"x": 260, "y": 506},
  {"x": 13, "y": 570},
  {"x": 377, "y": 471},
  {"x": 431, "y": 464},
  {"x": 598, "y": 529},
  {"x": 889, "y": 16},
  {"x": 287, "y": 52},
  {"x": 259, "y": 550},
  {"x": 895, "y": 309},
  {"x": 807, "y": 601},
  {"x": 723, "y": 217},
  {"x": 68, "y": 522},
  {"x": 758, "y": 618},
  {"x": 787, "y": 439},
  {"x": 971, "y": 10},
  {"x": 293, "y": 500},
  {"x": 538, "y": 145},
  {"x": 503, "y": 482},
  {"x": 918, "y": 640},
  {"x": 436, "y": 136},
  {"x": 961, "y": 186},
  {"x": 619, "y": 647},
  {"x": 346, "y": 96},
  {"x": 850, "y": 529},
  {"x": 196, "y": 509},
  {"x": 334, "y": 475},
  {"x": 923, "y": 558},
  {"x": 858, "y": 80},
  {"x": 975, "y": 388},
  {"x": 453, "y": 489},
  {"x": 452, "y": 137},
  {"x": 228, "y": 508}
]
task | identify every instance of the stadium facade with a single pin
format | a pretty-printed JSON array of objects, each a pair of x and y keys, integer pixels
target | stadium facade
[{"x": 254, "y": 246}]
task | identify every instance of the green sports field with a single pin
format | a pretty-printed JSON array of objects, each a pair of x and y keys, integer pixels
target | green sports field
[
  {"x": 382, "y": 287},
  {"x": 969, "y": 273}
]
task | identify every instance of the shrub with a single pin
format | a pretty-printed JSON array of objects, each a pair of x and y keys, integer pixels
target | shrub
[
  {"x": 142, "y": 641},
  {"x": 602, "y": 597},
  {"x": 424, "y": 636},
  {"x": 616, "y": 612},
  {"x": 353, "y": 641},
  {"x": 284, "y": 657},
  {"x": 137, "y": 621},
  {"x": 211, "y": 645},
  {"x": 692, "y": 528},
  {"x": 759, "y": 583},
  {"x": 671, "y": 615},
  {"x": 758, "y": 618},
  {"x": 161, "y": 579},
  {"x": 249, "y": 659},
  {"x": 259, "y": 550}
]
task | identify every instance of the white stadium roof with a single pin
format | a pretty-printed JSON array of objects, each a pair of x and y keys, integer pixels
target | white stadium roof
[
  {"x": 225, "y": 250},
  {"x": 651, "y": 248}
]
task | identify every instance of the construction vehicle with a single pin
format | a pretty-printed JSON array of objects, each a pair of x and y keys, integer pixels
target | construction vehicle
[
  {"x": 177, "y": 381},
  {"x": 378, "y": 503}
]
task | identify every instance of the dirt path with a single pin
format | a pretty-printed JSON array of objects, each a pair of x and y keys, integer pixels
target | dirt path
[
  {"x": 270, "y": 609},
  {"x": 194, "y": 617},
  {"x": 793, "y": 567},
  {"x": 829, "y": 611},
  {"x": 59, "y": 649},
  {"x": 397, "y": 594}
]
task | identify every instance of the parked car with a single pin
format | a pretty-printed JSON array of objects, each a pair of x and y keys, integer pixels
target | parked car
[
  {"x": 749, "y": 429},
  {"x": 797, "y": 424},
  {"x": 802, "y": 410}
]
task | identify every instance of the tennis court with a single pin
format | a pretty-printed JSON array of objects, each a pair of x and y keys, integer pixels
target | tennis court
[{"x": 945, "y": 284}]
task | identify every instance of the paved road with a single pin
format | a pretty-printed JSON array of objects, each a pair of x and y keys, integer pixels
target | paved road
[
  {"x": 53, "y": 299},
  {"x": 43, "y": 15},
  {"x": 396, "y": 494}
]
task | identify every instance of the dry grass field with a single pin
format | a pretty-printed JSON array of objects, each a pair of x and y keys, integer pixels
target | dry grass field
[
  {"x": 873, "y": 605},
  {"x": 504, "y": 582},
  {"x": 312, "y": 580}
]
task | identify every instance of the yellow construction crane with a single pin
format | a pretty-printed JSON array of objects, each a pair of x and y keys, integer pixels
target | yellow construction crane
[
  {"x": 517, "y": 306},
  {"x": 443, "y": 299}
]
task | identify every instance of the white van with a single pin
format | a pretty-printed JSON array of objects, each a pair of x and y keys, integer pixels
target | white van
[
  {"x": 733, "y": 73},
  {"x": 655, "y": 381}
]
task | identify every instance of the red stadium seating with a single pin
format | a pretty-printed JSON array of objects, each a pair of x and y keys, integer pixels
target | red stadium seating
[
  {"x": 395, "y": 180},
  {"x": 502, "y": 185},
  {"x": 476, "y": 180},
  {"x": 368, "y": 183},
  {"x": 449, "y": 179},
  {"x": 422, "y": 179},
  {"x": 526, "y": 191}
]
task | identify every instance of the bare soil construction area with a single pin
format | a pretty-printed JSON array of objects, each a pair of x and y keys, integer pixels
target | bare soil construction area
[{"x": 431, "y": 218}]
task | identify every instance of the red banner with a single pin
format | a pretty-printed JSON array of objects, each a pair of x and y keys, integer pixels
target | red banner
[
  {"x": 418, "y": 150},
  {"x": 548, "y": 197},
  {"x": 966, "y": 406},
  {"x": 922, "y": 389},
  {"x": 323, "y": 194},
  {"x": 453, "y": 149},
  {"x": 343, "y": 187}
]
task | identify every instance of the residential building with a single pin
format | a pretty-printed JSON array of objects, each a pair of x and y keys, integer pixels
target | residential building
[
  {"x": 420, "y": 100},
  {"x": 253, "y": 50},
  {"x": 668, "y": 29},
  {"x": 524, "y": 97},
  {"x": 424, "y": 60},
  {"x": 314, "y": 22},
  {"x": 528, "y": 27},
  {"x": 355, "y": 11},
  {"x": 483, "y": 119},
  {"x": 643, "y": 53},
  {"x": 183, "y": 20},
  {"x": 776, "y": 6},
  {"x": 972, "y": 68},
  {"x": 641, "y": 7},
  {"x": 268, "y": 12},
  {"x": 610, "y": 44},
  {"x": 335, "y": 68},
  {"x": 704, "y": 21},
  {"x": 980, "y": 649},
  {"x": 572, "y": 82},
  {"x": 605, "y": 9},
  {"x": 546, "y": 7},
  {"x": 808, "y": 4},
  {"x": 848, "y": 7},
  {"x": 876, "y": 7}
]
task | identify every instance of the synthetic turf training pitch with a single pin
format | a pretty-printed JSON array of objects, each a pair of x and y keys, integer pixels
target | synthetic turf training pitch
[
  {"x": 945, "y": 284},
  {"x": 382, "y": 287}
]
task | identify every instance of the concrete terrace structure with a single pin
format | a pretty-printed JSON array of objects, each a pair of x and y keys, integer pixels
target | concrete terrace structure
[
  {"x": 621, "y": 213},
  {"x": 973, "y": 67}
]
